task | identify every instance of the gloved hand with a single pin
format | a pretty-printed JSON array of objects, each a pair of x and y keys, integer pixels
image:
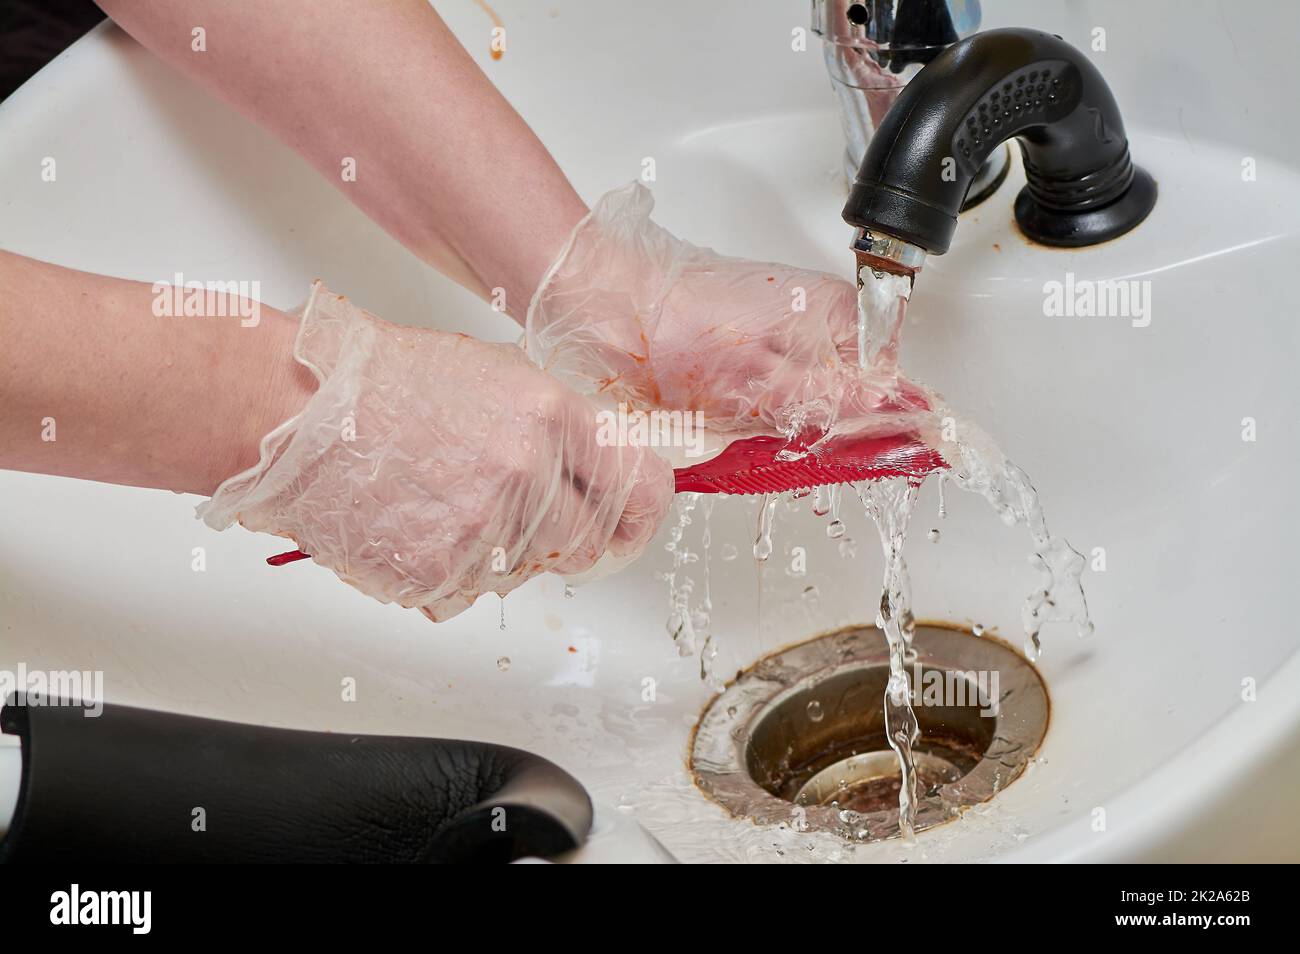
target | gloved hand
[
  {"x": 632, "y": 312},
  {"x": 430, "y": 468}
]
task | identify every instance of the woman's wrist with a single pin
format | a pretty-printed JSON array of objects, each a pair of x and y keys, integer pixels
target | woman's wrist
[
  {"x": 509, "y": 265},
  {"x": 262, "y": 397}
]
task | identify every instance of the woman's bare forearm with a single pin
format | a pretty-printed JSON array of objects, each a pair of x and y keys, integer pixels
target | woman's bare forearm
[
  {"x": 94, "y": 383},
  {"x": 441, "y": 160}
]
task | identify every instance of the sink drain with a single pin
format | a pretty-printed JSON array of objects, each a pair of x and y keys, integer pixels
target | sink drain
[{"x": 800, "y": 736}]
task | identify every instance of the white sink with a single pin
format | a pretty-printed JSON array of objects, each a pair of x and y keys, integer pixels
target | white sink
[{"x": 1133, "y": 436}]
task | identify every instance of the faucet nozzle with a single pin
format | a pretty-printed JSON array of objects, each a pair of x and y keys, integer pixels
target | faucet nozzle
[{"x": 887, "y": 253}]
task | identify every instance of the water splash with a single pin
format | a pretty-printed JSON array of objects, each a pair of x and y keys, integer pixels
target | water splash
[
  {"x": 763, "y": 538},
  {"x": 889, "y": 503},
  {"x": 976, "y": 466},
  {"x": 980, "y": 467},
  {"x": 690, "y": 621},
  {"x": 821, "y": 504},
  {"x": 835, "y": 529},
  {"x": 703, "y": 614},
  {"x": 681, "y": 619}
]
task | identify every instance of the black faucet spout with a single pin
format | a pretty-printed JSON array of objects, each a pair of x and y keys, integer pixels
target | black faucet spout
[{"x": 1082, "y": 186}]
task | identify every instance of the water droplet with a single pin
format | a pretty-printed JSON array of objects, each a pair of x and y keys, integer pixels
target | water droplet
[
  {"x": 815, "y": 713},
  {"x": 835, "y": 529},
  {"x": 568, "y": 591},
  {"x": 729, "y": 552},
  {"x": 763, "y": 538},
  {"x": 1086, "y": 628},
  {"x": 933, "y": 536},
  {"x": 801, "y": 493},
  {"x": 977, "y": 629},
  {"x": 820, "y": 505},
  {"x": 503, "y": 612},
  {"x": 810, "y": 593},
  {"x": 503, "y": 663}
]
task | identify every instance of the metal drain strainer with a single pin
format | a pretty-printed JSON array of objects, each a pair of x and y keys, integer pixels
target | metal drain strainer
[{"x": 800, "y": 737}]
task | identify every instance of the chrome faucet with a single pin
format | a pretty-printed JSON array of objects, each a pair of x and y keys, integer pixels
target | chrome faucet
[{"x": 873, "y": 48}]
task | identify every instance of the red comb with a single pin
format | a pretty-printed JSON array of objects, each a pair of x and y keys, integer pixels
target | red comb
[
  {"x": 751, "y": 466},
  {"x": 288, "y": 556}
]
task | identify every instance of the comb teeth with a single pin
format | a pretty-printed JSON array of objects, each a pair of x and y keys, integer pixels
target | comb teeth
[
  {"x": 796, "y": 475},
  {"x": 752, "y": 465}
]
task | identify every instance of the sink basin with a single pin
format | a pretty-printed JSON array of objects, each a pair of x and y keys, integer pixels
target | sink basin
[{"x": 1133, "y": 435}]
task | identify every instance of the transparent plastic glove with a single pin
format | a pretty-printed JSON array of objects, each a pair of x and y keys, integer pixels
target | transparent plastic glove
[
  {"x": 634, "y": 313},
  {"x": 430, "y": 468}
]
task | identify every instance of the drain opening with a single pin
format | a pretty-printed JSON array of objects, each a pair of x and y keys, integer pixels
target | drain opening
[{"x": 800, "y": 737}]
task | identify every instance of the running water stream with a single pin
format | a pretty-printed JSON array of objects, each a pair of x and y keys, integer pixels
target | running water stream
[
  {"x": 976, "y": 465},
  {"x": 889, "y": 503},
  {"x": 882, "y": 304}
]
